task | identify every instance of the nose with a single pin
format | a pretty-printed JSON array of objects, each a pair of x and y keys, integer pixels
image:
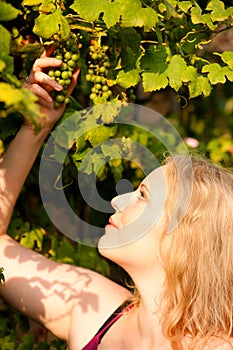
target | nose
[{"x": 119, "y": 203}]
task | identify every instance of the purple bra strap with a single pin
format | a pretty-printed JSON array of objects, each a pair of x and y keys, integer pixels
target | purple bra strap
[{"x": 94, "y": 342}]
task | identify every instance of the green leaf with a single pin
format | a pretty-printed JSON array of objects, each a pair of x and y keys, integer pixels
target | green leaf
[
  {"x": 154, "y": 81},
  {"x": 200, "y": 86},
  {"x": 130, "y": 12},
  {"x": 112, "y": 151},
  {"x": 31, "y": 2},
  {"x": 228, "y": 73},
  {"x": 128, "y": 79},
  {"x": 57, "y": 23},
  {"x": 197, "y": 85},
  {"x": 111, "y": 14},
  {"x": 7, "y": 12},
  {"x": 9, "y": 68},
  {"x": 185, "y": 5},
  {"x": 2, "y": 65},
  {"x": 99, "y": 134},
  {"x": 5, "y": 40},
  {"x": 216, "y": 73},
  {"x": 218, "y": 12},
  {"x": 9, "y": 95},
  {"x": 90, "y": 10},
  {"x": 189, "y": 74},
  {"x": 175, "y": 69},
  {"x": 133, "y": 15},
  {"x": 92, "y": 162},
  {"x": 196, "y": 14},
  {"x": 154, "y": 59},
  {"x": 33, "y": 239},
  {"x": 227, "y": 58},
  {"x": 47, "y": 6},
  {"x": 150, "y": 18},
  {"x": 130, "y": 38}
]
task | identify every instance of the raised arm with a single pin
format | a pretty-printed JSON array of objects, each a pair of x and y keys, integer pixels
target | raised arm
[
  {"x": 70, "y": 301},
  {"x": 20, "y": 155}
]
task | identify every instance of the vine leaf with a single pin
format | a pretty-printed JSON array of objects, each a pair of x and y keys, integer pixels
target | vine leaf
[
  {"x": 216, "y": 73},
  {"x": 218, "y": 12},
  {"x": 57, "y": 23},
  {"x": 5, "y": 40},
  {"x": 227, "y": 57},
  {"x": 128, "y": 79},
  {"x": 9, "y": 95},
  {"x": 154, "y": 60},
  {"x": 31, "y": 2},
  {"x": 129, "y": 12},
  {"x": 7, "y": 12},
  {"x": 100, "y": 134},
  {"x": 90, "y": 10},
  {"x": 154, "y": 81},
  {"x": 185, "y": 6},
  {"x": 175, "y": 69}
]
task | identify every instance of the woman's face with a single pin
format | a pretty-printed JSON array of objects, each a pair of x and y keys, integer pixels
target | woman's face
[{"x": 136, "y": 213}]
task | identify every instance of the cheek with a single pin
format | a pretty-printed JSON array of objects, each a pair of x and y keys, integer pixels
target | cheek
[{"x": 133, "y": 213}]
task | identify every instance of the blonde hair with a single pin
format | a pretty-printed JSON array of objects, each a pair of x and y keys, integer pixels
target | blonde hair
[{"x": 198, "y": 252}]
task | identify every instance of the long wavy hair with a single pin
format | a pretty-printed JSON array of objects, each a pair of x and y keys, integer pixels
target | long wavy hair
[{"x": 197, "y": 252}]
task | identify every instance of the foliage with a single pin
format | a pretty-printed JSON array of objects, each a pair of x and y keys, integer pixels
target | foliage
[{"x": 124, "y": 47}]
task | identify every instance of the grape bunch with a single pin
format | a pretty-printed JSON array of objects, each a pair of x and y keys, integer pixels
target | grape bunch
[
  {"x": 68, "y": 52},
  {"x": 98, "y": 66}
]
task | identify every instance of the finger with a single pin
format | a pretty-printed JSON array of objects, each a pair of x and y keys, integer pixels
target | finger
[
  {"x": 45, "y": 80},
  {"x": 49, "y": 51},
  {"x": 41, "y": 93},
  {"x": 46, "y": 62},
  {"x": 73, "y": 81}
]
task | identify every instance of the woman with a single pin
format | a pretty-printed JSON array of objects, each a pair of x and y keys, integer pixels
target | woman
[{"x": 182, "y": 266}]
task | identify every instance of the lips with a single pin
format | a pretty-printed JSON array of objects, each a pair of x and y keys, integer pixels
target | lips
[{"x": 111, "y": 224}]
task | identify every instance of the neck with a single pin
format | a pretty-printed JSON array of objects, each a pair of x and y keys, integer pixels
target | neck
[{"x": 147, "y": 315}]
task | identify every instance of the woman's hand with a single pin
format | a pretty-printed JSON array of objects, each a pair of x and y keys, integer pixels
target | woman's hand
[{"x": 41, "y": 85}]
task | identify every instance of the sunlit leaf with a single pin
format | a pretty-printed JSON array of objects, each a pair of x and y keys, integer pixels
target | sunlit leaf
[
  {"x": 218, "y": 12},
  {"x": 31, "y": 2},
  {"x": 216, "y": 73},
  {"x": 175, "y": 69},
  {"x": 5, "y": 40},
  {"x": 227, "y": 58},
  {"x": 154, "y": 81},
  {"x": 128, "y": 79},
  {"x": 7, "y": 12},
  {"x": 57, "y": 22},
  {"x": 185, "y": 5}
]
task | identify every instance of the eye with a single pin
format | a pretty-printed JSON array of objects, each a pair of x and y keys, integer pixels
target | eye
[{"x": 142, "y": 194}]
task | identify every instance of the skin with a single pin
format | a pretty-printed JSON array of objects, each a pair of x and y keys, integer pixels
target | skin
[{"x": 70, "y": 301}]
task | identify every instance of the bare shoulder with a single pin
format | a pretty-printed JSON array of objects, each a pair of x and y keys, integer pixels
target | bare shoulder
[{"x": 98, "y": 299}]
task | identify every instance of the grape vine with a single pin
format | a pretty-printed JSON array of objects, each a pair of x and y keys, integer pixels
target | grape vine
[
  {"x": 68, "y": 52},
  {"x": 98, "y": 65}
]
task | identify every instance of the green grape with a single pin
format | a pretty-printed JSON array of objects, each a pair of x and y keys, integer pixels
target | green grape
[
  {"x": 68, "y": 55},
  {"x": 71, "y": 63},
  {"x": 57, "y": 73},
  {"x": 51, "y": 73},
  {"x": 94, "y": 56},
  {"x": 68, "y": 52},
  {"x": 75, "y": 57},
  {"x": 60, "y": 98},
  {"x": 98, "y": 65},
  {"x": 88, "y": 77},
  {"x": 105, "y": 88},
  {"x": 65, "y": 75}
]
